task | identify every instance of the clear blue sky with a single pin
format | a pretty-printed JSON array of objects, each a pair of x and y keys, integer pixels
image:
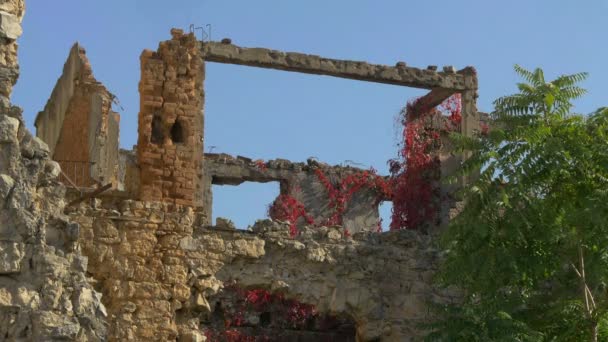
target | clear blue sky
[{"x": 269, "y": 114}]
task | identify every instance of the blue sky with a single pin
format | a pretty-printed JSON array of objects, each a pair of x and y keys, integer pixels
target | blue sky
[{"x": 271, "y": 114}]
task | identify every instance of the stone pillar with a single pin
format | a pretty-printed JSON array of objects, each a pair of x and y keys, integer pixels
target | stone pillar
[
  {"x": 470, "y": 115},
  {"x": 170, "y": 144},
  {"x": 451, "y": 161}
]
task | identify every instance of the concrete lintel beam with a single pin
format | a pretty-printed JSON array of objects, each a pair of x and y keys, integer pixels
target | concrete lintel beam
[
  {"x": 400, "y": 74},
  {"x": 431, "y": 100}
]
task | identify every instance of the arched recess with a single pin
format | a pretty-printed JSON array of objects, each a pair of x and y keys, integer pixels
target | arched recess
[{"x": 261, "y": 313}]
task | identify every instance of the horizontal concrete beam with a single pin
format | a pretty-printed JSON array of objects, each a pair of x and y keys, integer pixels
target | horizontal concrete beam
[
  {"x": 400, "y": 74},
  {"x": 429, "y": 101}
]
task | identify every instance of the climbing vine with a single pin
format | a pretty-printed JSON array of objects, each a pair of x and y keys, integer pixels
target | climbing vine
[
  {"x": 413, "y": 186},
  {"x": 415, "y": 173},
  {"x": 288, "y": 208},
  {"x": 286, "y": 314},
  {"x": 340, "y": 194}
]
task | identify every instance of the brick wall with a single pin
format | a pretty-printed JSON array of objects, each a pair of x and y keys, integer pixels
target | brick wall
[{"x": 79, "y": 125}]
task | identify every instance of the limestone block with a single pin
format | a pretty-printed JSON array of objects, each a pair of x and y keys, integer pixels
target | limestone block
[
  {"x": 33, "y": 147},
  {"x": 10, "y": 25},
  {"x": 201, "y": 303},
  {"x": 250, "y": 248},
  {"x": 27, "y": 297},
  {"x": 192, "y": 336},
  {"x": 11, "y": 254},
  {"x": 8, "y": 129},
  {"x": 16, "y": 7},
  {"x": 60, "y": 327},
  {"x": 6, "y": 185},
  {"x": 222, "y": 222},
  {"x": 52, "y": 169},
  {"x": 6, "y": 297}
]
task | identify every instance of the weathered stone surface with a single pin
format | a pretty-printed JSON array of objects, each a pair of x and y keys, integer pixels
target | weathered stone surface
[
  {"x": 8, "y": 129},
  {"x": 168, "y": 277},
  {"x": 170, "y": 137},
  {"x": 224, "y": 223},
  {"x": 10, "y": 25},
  {"x": 403, "y": 75},
  {"x": 297, "y": 179},
  {"x": 48, "y": 297},
  {"x": 79, "y": 125},
  {"x": 11, "y": 254},
  {"x": 42, "y": 274},
  {"x": 164, "y": 272}
]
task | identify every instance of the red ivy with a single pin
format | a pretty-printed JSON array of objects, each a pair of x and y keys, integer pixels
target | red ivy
[
  {"x": 287, "y": 208},
  {"x": 260, "y": 165},
  {"x": 414, "y": 175},
  {"x": 295, "y": 313},
  {"x": 340, "y": 194}
]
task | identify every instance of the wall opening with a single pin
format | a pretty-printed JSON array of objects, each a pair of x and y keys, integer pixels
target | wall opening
[
  {"x": 297, "y": 116},
  {"x": 385, "y": 209},
  {"x": 156, "y": 132},
  {"x": 245, "y": 203},
  {"x": 177, "y": 133},
  {"x": 265, "y": 319},
  {"x": 245, "y": 314}
]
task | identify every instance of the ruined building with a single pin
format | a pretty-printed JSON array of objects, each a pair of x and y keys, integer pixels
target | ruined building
[{"x": 108, "y": 244}]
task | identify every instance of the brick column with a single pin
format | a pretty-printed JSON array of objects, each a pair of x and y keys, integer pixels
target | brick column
[{"x": 170, "y": 144}]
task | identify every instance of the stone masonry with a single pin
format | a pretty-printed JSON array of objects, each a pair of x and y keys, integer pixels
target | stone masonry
[
  {"x": 144, "y": 262},
  {"x": 297, "y": 180},
  {"x": 169, "y": 149},
  {"x": 45, "y": 294},
  {"x": 160, "y": 271},
  {"x": 11, "y": 14}
]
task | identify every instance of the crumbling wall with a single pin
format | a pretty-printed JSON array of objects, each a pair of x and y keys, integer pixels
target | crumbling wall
[
  {"x": 170, "y": 144},
  {"x": 11, "y": 14},
  {"x": 79, "y": 125},
  {"x": 166, "y": 273},
  {"x": 103, "y": 138},
  {"x": 44, "y": 292},
  {"x": 162, "y": 272},
  {"x": 297, "y": 180}
]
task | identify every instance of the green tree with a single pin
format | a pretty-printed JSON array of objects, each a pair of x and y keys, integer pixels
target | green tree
[{"x": 529, "y": 250}]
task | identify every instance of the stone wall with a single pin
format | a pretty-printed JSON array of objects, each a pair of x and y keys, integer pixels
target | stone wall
[
  {"x": 170, "y": 144},
  {"x": 79, "y": 125},
  {"x": 163, "y": 274},
  {"x": 297, "y": 180},
  {"x": 159, "y": 270},
  {"x": 44, "y": 291}
]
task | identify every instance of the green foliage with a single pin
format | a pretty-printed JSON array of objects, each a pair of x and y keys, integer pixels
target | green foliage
[{"x": 530, "y": 247}]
